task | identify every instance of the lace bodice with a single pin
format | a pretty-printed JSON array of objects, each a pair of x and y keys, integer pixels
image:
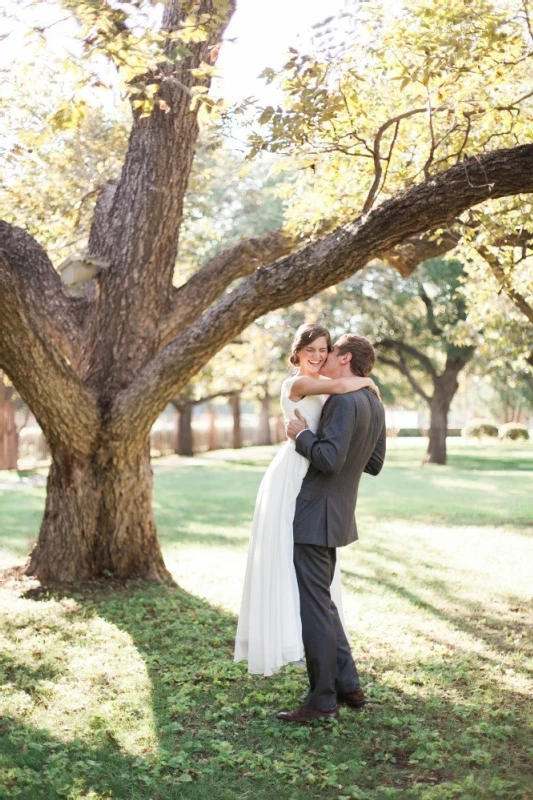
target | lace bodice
[{"x": 309, "y": 407}]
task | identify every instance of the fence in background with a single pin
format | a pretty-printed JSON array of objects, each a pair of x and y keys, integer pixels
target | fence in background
[{"x": 33, "y": 449}]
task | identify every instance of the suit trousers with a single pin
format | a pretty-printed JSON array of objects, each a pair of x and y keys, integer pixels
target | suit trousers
[{"x": 330, "y": 665}]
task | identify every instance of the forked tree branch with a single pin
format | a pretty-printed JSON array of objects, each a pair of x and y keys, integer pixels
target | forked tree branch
[
  {"x": 376, "y": 154},
  {"x": 206, "y": 285},
  {"x": 430, "y": 313}
]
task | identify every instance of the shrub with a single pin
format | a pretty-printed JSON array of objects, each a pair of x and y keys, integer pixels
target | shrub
[
  {"x": 479, "y": 428},
  {"x": 513, "y": 430}
]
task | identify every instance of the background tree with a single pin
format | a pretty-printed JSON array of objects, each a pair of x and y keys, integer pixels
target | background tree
[
  {"x": 97, "y": 370},
  {"x": 413, "y": 322}
]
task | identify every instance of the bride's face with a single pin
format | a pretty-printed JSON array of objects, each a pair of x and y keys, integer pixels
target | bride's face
[{"x": 313, "y": 356}]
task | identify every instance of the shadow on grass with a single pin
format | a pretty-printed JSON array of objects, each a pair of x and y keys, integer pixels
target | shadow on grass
[
  {"x": 520, "y": 462},
  {"x": 217, "y": 736},
  {"x": 497, "y": 631}
]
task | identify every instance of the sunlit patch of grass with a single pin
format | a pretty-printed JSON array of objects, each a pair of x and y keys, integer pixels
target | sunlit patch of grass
[{"x": 74, "y": 674}]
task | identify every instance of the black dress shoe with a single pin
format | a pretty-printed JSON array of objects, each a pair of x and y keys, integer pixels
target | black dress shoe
[
  {"x": 304, "y": 715},
  {"x": 355, "y": 699}
]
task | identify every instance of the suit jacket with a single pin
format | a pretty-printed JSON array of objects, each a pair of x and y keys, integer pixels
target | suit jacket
[{"x": 350, "y": 440}]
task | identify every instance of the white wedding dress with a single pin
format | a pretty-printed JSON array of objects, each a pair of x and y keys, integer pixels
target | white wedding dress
[{"x": 269, "y": 632}]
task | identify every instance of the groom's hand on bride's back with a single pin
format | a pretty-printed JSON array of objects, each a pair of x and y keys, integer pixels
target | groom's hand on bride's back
[{"x": 295, "y": 426}]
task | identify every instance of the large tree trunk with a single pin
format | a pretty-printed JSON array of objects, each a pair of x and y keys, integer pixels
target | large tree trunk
[
  {"x": 265, "y": 434},
  {"x": 235, "y": 402},
  {"x": 9, "y": 435},
  {"x": 98, "y": 520},
  {"x": 184, "y": 444}
]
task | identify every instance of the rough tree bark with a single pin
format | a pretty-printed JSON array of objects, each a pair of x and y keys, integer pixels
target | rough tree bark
[{"x": 97, "y": 371}]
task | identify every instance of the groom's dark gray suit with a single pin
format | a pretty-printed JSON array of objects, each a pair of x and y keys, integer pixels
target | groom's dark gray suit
[{"x": 350, "y": 440}]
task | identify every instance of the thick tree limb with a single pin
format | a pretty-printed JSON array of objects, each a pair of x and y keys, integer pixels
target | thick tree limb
[
  {"x": 310, "y": 270},
  {"x": 406, "y": 256},
  {"x": 39, "y": 327},
  {"x": 58, "y": 315},
  {"x": 243, "y": 259},
  {"x": 158, "y": 161},
  {"x": 206, "y": 285}
]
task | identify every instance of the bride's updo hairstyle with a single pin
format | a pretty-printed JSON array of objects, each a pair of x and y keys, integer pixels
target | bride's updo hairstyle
[{"x": 305, "y": 335}]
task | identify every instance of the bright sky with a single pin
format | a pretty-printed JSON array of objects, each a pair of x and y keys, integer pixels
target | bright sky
[{"x": 263, "y": 31}]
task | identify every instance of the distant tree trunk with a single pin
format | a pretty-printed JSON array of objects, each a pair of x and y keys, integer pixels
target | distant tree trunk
[
  {"x": 9, "y": 435},
  {"x": 445, "y": 387},
  {"x": 184, "y": 443},
  {"x": 265, "y": 434},
  {"x": 235, "y": 402},
  {"x": 438, "y": 428},
  {"x": 212, "y": 439}
]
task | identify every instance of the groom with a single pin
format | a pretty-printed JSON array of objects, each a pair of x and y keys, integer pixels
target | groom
[{"x": 350, "y": 440}]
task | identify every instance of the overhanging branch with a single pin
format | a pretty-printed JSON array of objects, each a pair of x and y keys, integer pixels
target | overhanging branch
[{"x": 310, "y": 270}]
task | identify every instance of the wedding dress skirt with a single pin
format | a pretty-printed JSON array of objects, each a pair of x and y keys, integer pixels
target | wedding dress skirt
[{"x": 269, "y": 632}]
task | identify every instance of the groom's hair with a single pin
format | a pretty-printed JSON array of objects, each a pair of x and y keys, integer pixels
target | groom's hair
[{"x": 363, "y": 354}]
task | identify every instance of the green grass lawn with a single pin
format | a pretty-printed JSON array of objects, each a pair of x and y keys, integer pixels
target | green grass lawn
[{"x": 112, "y": 691}]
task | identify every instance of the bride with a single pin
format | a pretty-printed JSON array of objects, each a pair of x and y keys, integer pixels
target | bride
[{"x": 269, "y": 631}]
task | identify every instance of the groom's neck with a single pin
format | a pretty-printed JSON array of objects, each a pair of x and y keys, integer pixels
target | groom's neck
[{"x": 346, "y": 372}]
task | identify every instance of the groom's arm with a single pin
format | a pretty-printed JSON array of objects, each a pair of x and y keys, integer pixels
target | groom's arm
[
  {"x": 328, "y": 452},
  {"x": 377, "y": 459}
]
